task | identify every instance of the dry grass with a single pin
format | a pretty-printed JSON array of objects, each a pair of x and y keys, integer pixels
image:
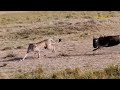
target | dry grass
[
  {"x": 39, "y": 16},
  {"x": 19, "y": 29},
  {"x": 35, "y": 74},
  {"x": 15, "y": 29},
  {"x": 111, "y": 72}
]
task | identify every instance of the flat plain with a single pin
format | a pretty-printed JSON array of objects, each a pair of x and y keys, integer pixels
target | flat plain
[{"x": 75, "y": 28}]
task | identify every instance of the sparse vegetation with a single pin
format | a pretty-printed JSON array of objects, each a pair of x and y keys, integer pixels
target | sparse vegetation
[
  {"x": 63, "y": 26},
  {"x": 19, "y": 29},
  {"x": 111, "y": 72},
  {"x": 40, "y": 16},
  {"x": 35, "y": 74}
]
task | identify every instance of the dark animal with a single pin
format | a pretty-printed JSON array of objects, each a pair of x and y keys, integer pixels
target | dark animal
[
  {"x": 60, "y": 40},
  {"x": 106, "y": 41}
]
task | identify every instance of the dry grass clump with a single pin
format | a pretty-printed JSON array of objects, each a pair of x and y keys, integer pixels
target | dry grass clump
[
  {"x": 35, "y": 74},
  {"x": 111, "y": 72}
]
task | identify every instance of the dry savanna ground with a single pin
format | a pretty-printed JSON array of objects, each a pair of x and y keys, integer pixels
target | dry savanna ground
[{"x": 75, "y": 28}]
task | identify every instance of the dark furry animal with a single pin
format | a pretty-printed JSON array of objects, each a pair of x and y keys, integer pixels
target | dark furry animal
[{"x": 106, "y": 41}]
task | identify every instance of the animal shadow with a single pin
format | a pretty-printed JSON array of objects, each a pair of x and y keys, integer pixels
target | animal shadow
[{"x": 75, "y": 55}]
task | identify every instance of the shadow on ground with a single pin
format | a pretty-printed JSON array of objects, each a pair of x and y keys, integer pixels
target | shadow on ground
[
  {"x": 13, "y": 59},
  {"x": 58, "y": 56},
  {"x": 18, "y": 59},
  {"x": 85, "y": 54}
]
